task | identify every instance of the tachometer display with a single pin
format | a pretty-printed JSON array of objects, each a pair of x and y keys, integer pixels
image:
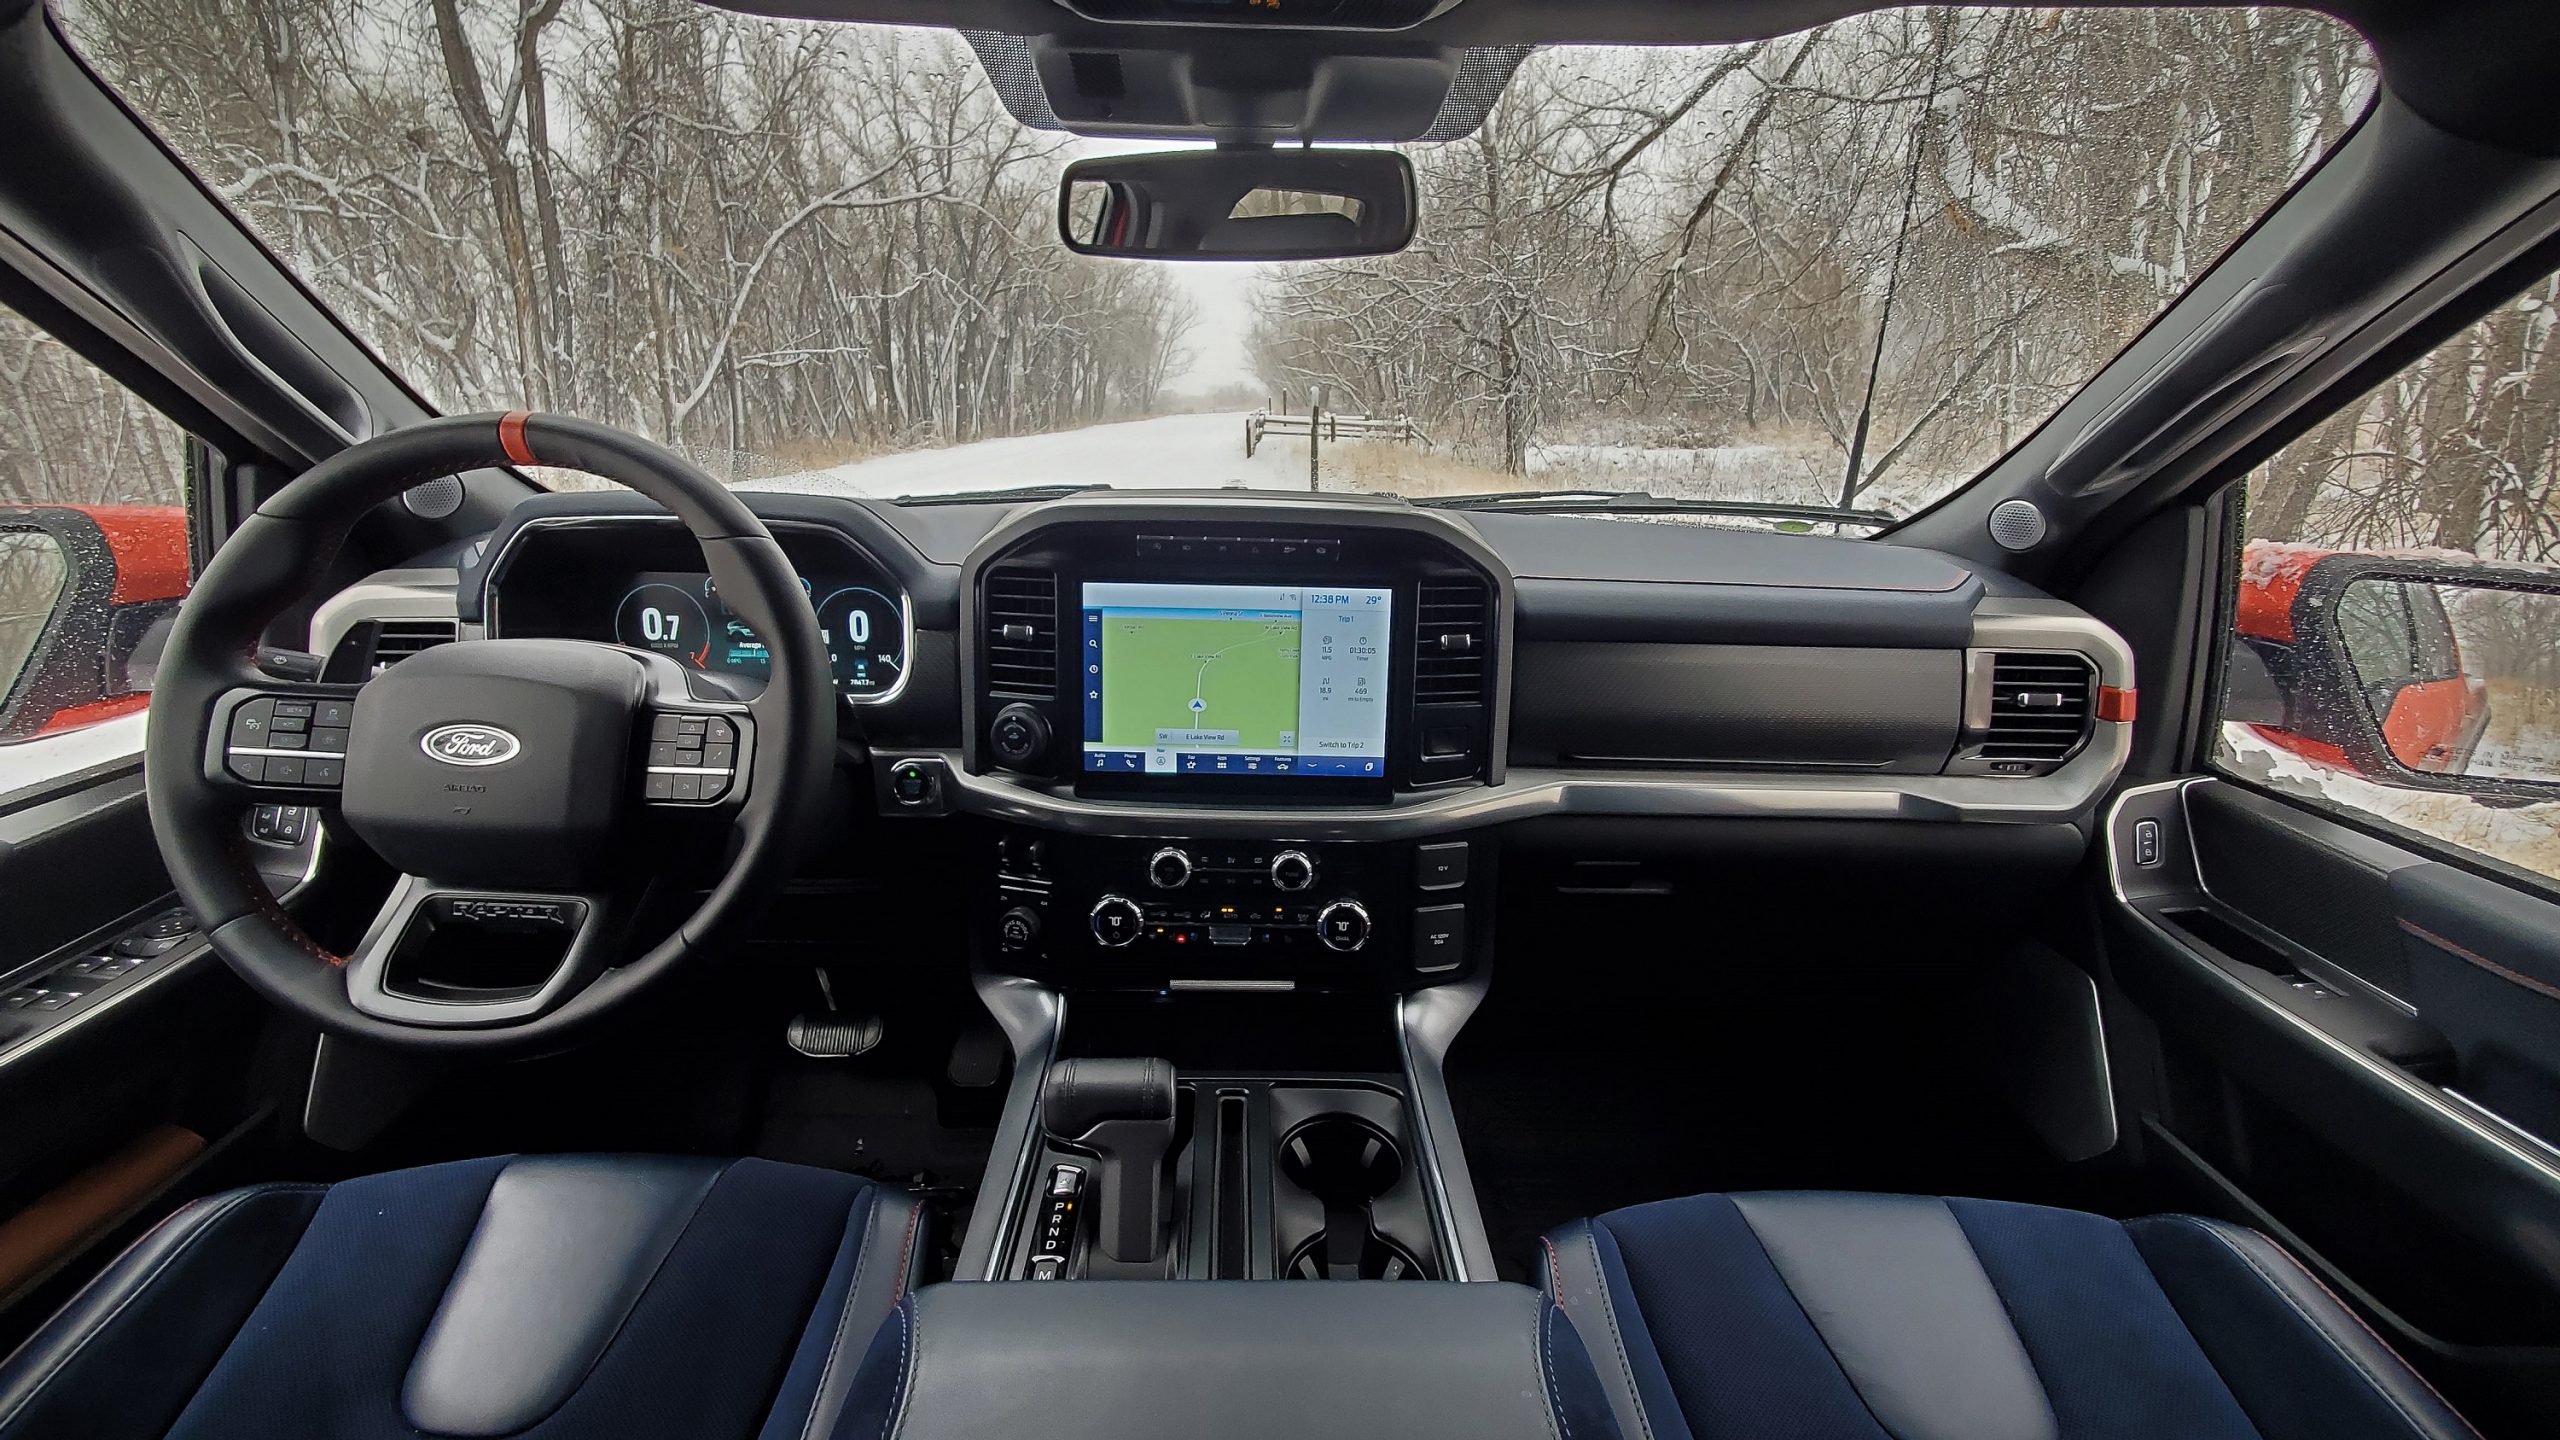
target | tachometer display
[
  {"x": 682, "y": 615},
  {"x": 667, "y": 618}
]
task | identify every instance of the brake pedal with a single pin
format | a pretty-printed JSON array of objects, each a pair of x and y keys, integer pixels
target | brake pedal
[{"x": 833, "y": 1035}]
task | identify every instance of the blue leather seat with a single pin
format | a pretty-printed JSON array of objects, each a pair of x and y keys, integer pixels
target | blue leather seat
[
  {"x": 1872, "y": 1317},
  {"x": 560, "y": 1298}
]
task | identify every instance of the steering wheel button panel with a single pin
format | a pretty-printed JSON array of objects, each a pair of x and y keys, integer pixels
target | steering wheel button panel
[
  {"x": 693, "y": 759},
  {"x": 287, "y": 741}
]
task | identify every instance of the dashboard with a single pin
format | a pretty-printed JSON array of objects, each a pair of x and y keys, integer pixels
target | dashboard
[
  {"x": 1293, "y": 736},
  {"x": 1224, "y": 663}
]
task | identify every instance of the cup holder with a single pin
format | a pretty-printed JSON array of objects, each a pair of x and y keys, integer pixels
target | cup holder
[
  {"x": 1341, "y": 1160},
  {"x": 1347, "y": 1164},
  {"x": 1369, "y": 1256}
]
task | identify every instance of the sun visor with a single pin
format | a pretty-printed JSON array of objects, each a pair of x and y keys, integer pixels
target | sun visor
[{"x": 1286, "y": 91}]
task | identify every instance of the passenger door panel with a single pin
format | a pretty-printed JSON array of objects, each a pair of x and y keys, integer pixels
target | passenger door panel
[{"x": 2329, "y": 1071}]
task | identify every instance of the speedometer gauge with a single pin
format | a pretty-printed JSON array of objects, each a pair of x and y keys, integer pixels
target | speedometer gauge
[
  {"x": 667, "y": 619},
  {"x": 866, "y": 637}
]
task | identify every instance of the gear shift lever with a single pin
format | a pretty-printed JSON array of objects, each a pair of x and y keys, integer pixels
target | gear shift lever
[{"x": 1121, "y": 1112}]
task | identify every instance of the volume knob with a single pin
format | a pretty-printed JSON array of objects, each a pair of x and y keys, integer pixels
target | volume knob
[
  {"x": 1169, "y": 868},
  {"x": 1291, "y": 870}
]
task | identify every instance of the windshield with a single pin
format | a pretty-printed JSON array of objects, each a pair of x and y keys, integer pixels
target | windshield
[{"x": 1840, "y": 271}]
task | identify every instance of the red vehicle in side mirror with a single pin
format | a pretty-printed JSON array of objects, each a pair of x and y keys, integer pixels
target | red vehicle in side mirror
[
  {"x": 87, "y": 594},
  {"x": 2350, "y": 659}
]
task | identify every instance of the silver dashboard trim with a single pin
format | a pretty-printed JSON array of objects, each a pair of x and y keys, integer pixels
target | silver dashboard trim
[
  {"x": 1531, "y": 793},
  {"x": 1427, "y": 1023},
  {"x": 906, "y": 601},
  {"x": 386, "y": 595}
]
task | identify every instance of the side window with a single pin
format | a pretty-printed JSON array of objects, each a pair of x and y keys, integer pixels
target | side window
[
  {"x": 93, "y": 557},
  {"x": 2398, "y": 614}
]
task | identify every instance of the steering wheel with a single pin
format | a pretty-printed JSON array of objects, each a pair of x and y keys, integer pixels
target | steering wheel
[{"x": 515, "y": 784}]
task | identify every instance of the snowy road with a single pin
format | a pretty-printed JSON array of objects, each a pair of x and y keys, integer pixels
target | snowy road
[{"x": 1168, "y": 452}]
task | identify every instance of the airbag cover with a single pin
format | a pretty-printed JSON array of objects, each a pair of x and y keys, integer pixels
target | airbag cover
[{"x": 494, "y": 762}]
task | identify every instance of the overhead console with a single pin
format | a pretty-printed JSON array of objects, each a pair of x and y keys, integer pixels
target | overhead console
[{"x": 1281, "y": 653}]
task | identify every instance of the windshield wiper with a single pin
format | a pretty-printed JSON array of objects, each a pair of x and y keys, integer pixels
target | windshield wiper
[
  {"x": 1601, "y": 502},
  {"x": 977, "y": 497}
]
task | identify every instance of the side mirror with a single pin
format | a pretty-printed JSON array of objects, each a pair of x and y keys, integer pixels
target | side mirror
[
  {"x": 87, "y": 594},
  {"x": 2447, "y": 676},
  {"x": 1238, "y": 205}
]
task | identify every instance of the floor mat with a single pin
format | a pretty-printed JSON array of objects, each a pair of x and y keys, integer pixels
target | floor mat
[{"x": 1569, "y": 1109}]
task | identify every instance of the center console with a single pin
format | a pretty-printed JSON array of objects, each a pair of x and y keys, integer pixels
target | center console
[{"x": 1228, "y": 990}]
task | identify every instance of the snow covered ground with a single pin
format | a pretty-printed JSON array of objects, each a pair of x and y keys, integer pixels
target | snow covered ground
[
  {"x": 2525, "y": 836},
  {"x": 49, "y": 757},
  {"x": 1207, "y": 451},
  {"x": 1167, "y": 452}
]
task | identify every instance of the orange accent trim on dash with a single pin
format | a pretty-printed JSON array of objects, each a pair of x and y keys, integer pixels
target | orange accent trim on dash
[
  {"x": 2115, "y": 704},
  {"x": 511, "y": 437}
]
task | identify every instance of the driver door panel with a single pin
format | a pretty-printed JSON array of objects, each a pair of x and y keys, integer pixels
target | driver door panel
[{"x": 126, "y": 1048}]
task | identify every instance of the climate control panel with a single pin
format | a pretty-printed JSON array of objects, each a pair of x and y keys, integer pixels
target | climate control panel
[{"x": 1226, "y": 914}]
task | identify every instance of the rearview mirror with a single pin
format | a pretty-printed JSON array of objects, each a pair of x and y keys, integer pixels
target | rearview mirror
[
  {"x": 1238, "y": 205},
  {"x": 2447, "y": 676}
]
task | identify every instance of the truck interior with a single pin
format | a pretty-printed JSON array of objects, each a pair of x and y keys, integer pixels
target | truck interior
[{"x": 546, "y": 920}]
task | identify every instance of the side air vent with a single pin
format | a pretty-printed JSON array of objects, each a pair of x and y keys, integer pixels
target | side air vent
[
  {"x": 2025, "y": 711},
  {"x": 1022, "y": 633},
  {"x": 1453, "y": 632},
  {"x": 397, "y": 640}
]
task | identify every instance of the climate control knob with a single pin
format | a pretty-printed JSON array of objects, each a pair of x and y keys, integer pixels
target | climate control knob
[
  {"x": 1292, "y": 870},
  {"x": 1169, "y": 869},
  {"x": 1343, "y": 926},
  {"x": 1116, "y": 921}
]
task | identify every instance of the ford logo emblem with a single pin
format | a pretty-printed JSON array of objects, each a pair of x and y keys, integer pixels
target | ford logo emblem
[{"x": 470, "y": 745}]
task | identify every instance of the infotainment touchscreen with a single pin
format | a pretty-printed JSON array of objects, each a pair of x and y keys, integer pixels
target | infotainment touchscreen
[{"x": 1235, "y": 680}]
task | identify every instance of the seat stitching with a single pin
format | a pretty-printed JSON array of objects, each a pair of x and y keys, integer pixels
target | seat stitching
[
  {"x": 1609, "y": 1313},
  {"x": 107, "y": 1321},
  {"x": 2236, "y": 1253},
  {"x": 844, "y": 1316},
  {"x": 1547, "y": 1365},
  {"x": 907, "y": 1250},
  {"x": 907, "y": 1358},
  {"x": 2376, "y": 1336},
  {"x": 1555, "y": 1269}
]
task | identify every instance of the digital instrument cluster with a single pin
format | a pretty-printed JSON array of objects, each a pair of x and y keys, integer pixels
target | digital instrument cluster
[
  {"x": 680, "y": 614},
  {"x": 639, "y": 581}
]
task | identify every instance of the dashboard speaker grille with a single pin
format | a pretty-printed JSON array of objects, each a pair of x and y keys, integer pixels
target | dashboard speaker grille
[
  {"x": 1453, "y": 633},
  {"x": 435, "y": 500},
  {"x": 2040, "y": 706},
  {"x": 1022, "y": 633},
  {"x": 2017, "y": 525}
]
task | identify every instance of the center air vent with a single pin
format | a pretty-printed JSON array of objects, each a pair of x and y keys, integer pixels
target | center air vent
[
  {"x": 1452, "y": 631},
  {"x": 2025, "y": 711},
  {"x": 1022, "y": 633}
]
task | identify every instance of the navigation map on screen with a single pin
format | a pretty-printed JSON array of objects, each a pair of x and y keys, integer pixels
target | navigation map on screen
[{"x": 1235, "y": 680}]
